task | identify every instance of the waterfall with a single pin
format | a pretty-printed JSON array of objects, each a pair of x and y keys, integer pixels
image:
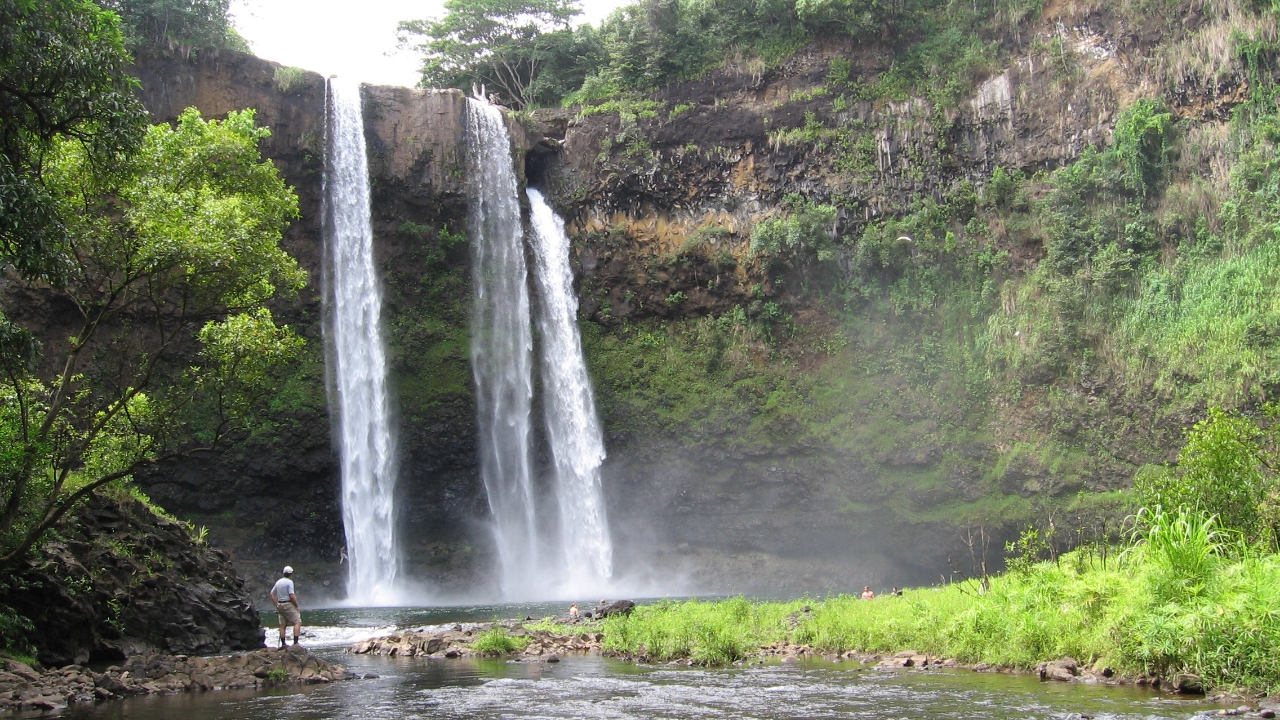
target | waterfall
[
  {"x": 502, "y": 347},
  {"x": 356, "y": 358},
  {"x": 536, "y": 561},
  {"x": 573, "y": 429}
]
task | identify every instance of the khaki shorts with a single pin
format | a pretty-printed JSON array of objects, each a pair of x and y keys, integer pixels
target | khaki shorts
[{"x": 288, "y": 613}]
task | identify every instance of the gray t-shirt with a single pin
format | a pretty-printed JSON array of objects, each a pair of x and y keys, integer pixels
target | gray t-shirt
[{"x": 283, "y": 589}]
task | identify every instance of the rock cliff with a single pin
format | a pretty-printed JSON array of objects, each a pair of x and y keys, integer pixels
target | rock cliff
[{"x": 764, "y": 430}]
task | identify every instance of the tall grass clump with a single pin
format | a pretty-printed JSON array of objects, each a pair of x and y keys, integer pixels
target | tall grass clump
[
  {"x": 497, "y": 641},
  {"x": 711, "y": 633},
  {"x": 1180, "y": 552}
]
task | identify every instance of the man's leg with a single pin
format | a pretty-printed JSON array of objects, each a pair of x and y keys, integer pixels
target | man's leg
[
  {"x": 297, "y": 632},
  {"x": 281, "y": 631}
]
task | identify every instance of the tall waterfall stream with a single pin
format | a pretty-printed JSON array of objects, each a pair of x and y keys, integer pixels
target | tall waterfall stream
[
  {"x": 536, "y": 561},
  {"x": 356, "y": 358},
  {"x": 573, "y": 428},
  {"x": 502, "y": 347}
]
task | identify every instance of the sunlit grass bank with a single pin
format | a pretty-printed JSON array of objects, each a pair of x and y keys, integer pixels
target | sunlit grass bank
[{"x": 1177, "y": 602}]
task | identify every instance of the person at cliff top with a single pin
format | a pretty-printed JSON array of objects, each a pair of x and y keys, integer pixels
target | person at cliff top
[
  {"x": 866, "y": 595},
  {"x": 573, "y": 611},
  {"x": 287, "y": 605}
]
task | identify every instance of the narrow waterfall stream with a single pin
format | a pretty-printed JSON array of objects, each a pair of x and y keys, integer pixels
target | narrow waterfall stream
[
  {"x": 573, "y": 427},
  {"x": 356, "y": 358},
  {"x": 502, "y": 347}
]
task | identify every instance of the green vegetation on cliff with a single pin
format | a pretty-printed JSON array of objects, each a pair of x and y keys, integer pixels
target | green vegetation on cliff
[
  {"x": 995, "y": 342},
  {"x": 1190, "y": 588},
  {"x": 526, "y": 52}
]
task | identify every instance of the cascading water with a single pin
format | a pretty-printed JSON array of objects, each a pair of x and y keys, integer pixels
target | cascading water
[
  {"x": 502, "y": 348},
  {"x": 356, "y": 358},
  {"x": 573, "y": 428}
]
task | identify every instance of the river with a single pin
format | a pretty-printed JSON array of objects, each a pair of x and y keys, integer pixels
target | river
[{"x": 601, "y": 688}]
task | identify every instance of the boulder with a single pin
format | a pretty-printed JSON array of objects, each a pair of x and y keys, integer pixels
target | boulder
[
  {"x": 620, "y": 607},
  {"x": 1064, "y": 670},
  {"x": 1187, "y": 684}
]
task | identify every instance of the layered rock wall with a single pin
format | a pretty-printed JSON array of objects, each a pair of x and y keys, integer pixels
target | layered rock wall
[{"x": 661, "y": 198}]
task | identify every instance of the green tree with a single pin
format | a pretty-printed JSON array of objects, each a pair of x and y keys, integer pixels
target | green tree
[
  {"x": 173, "y": 260},
  {"x": 163, "y": 24},
  {"x": 657, "y": 41},
  {"x": 503, "y": 44},
  {"x": 62, "y": 77},
  {"x": 853, "y": 17}
]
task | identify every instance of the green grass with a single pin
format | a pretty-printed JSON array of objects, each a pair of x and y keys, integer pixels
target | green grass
[
  {"x": 496, "y": 641},
  {"x": 1179, "y": 600}
]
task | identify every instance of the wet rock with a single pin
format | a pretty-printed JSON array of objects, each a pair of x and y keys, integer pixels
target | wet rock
[
  {"x": 1064, "y": 670},
  {"x": 152, "y": 674},
  {"x": 1187, "y": 684},
  {"x": 456, "y": 643}
]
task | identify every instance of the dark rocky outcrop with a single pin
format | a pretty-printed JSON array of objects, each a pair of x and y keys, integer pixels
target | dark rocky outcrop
[
  {"x": 617, "y": 607},
  {"x": 116, "y": 580}
]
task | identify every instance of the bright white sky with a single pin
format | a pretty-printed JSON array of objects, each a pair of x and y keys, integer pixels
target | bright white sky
[{"x": 349, "y": 37}]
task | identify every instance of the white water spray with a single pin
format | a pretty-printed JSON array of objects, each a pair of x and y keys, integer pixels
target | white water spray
[
  {"x": 502, "y": 347},
  {"x": 356, "y": 358},
  {"x": 573, "y": 428}
]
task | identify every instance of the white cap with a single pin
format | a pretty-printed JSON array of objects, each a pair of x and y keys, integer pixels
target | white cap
[{"x": 288, "y": 570}]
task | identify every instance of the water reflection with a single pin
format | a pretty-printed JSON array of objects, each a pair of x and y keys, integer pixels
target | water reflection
[{"x": 600, "y": 688}]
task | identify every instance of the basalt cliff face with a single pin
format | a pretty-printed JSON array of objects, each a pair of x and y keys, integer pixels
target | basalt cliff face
[
  {"x": 765, "y": 434},
  {"x": 118, "y": 580}
]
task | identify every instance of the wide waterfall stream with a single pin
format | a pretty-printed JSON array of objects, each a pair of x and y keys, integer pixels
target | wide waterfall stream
[
  {"x": 502, "y": 346},
  {"x": 356, "y": 358},
  {"x": 536, "y": 561},
  {"x": 591, "y": 686}
]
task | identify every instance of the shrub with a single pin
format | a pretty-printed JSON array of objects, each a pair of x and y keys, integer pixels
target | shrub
[
  {"x": 288, "y": 79},
  {"x": 1220, "y": 474}
]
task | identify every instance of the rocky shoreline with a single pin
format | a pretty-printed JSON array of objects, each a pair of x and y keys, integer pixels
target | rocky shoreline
[
  {"x": 24, "y": 688},
  {"x": 555, "y": 640},
  {"x": 456, "y": 642}
]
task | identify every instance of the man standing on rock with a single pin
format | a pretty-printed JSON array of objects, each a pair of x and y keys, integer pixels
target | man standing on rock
[{"x": 287, "y": 605}]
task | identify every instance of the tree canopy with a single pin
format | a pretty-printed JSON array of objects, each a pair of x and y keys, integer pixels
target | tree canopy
[
  {"x": 62, "y": 78},
  {"x": 162, "y": 24},
  {"x": 525, "y": 50},
  {"x": 502, "y": 44},
  {"x": 173, "y": 258}
]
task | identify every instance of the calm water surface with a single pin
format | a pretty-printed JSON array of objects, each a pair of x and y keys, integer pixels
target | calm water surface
[{"x": 595, "y": 687}]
